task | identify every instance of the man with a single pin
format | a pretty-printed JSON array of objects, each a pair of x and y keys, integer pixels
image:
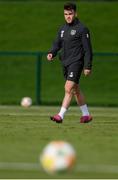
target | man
[{"x": 73, "y": 40}]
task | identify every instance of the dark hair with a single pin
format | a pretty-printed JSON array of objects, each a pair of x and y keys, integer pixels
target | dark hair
[{"x": 70, "y": 6}]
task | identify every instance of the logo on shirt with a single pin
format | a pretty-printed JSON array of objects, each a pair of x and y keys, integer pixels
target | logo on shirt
[
  {"x": 73, "y": 32},
  {"x": 87, "y": 35},
  {"x": 62, "y": 33},
  {"x": 71, "y": 74}
]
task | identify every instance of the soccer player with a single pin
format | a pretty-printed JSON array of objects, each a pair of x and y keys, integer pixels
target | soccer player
[{"x": 73, "y": 39}]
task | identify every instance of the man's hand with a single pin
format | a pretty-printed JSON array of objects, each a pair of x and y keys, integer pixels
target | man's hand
[
  {"x": 49, "y": 57},
  {"x": 87, "y": 72}
]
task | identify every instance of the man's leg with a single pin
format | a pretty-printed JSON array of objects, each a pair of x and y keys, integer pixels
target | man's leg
[
  {"x": 80, "y": 99},
  {"x": 69, "y": 87}
]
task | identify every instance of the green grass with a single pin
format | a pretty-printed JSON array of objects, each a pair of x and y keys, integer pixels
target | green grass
[
  {"x": 32, "y": 26},
  {"x": 100, "y": 88},
  {"x": 25, "y": 131},
  {"x": 19, "y": 80}
]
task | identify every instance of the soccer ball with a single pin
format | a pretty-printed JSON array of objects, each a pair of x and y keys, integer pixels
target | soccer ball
[
  {"x": 58, "y": 156},
  {"x": 26, "y": 102}
]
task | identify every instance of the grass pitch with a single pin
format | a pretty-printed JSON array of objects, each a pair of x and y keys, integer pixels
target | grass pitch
[
  {"x": 32, "y": 26},
  {"x": 25, "y": 131}
]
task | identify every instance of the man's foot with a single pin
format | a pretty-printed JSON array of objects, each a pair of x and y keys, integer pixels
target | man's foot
[
  {"x": 85, "y": 119},
  {"x": 56, "y": 118}
]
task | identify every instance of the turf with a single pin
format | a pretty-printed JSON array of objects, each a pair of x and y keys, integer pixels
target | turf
[
  {"x": 25, "y": 131},
  {"x": 19, "y": 79},
  {"x": 32, "y": 26}
]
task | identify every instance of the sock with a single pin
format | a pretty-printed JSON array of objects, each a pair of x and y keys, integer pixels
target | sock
[
  {"x": 84, "y": 110},
  {"x": 62, "y": 112}
]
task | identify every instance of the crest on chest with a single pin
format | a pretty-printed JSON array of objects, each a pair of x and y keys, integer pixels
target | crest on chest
[{"x": 73, "y": 32}]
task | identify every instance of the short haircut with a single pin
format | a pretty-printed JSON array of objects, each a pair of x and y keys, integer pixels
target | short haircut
[{"x": 70, "y": 6}]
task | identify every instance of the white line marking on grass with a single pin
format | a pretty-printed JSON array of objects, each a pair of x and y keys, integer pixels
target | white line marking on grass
[
  {"x": 80, "y": 168},
  {"x": 19, "y": 166},
  {"x": 98, "y": 168}
]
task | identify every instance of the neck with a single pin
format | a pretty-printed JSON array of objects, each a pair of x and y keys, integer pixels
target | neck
[{"x": 73, "y": 22}]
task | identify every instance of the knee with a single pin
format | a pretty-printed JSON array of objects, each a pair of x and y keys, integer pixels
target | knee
[
  {"x": 76, "y": 90},
  {"x": 68, "y": 89}
]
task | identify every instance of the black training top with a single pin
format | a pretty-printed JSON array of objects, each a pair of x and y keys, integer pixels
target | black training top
[{"x": 74, "y": 41}]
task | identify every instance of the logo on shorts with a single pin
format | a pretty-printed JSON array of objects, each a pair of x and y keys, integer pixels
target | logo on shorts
[{"x": 71, "y": 74}]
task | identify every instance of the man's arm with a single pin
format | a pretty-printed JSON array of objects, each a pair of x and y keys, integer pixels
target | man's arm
[
  {"x": 86, "y": 42},
  {"x": 55, "y": 48}
]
